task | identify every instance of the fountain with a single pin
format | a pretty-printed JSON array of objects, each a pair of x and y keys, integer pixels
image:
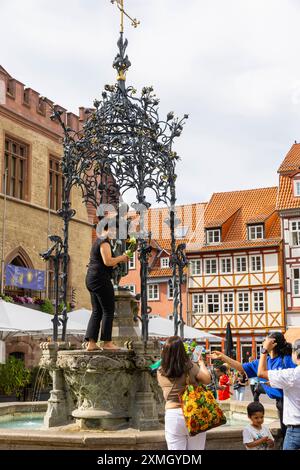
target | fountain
[
  {"x": 105, "y": 390},
  {"x": 123, "y": 145}
]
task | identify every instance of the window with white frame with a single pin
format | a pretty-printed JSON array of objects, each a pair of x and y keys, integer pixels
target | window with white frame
[
  {"x": 211, "y": 266},
  {"x": 198, "y": 303},
  {"x": 213, "y": 303},
  {"x": 295, "y": 229},
  {"x": 226, "y": 265},
  {"x": 255, "y": 232},
  {"x": 195, "y": 267},
  {"x": 131, "y": 287},
  {"x": 296, "y": 188},
  {"x": 153, "y": 291},
  {"x": 241, "y": 264},
  {"x": 213, "y": 236},
  {"x": 131, "y": 262},
  {"x": 256, "y": 263},
  {"x": 296, "y": 281},
  {"x": 243, "y": 302},
  {"x": 258, "y": 301},
  {"x": 228, "y": 302},
  {"x": 170, "y": 289},
  {"x": 164, "y": 262}
]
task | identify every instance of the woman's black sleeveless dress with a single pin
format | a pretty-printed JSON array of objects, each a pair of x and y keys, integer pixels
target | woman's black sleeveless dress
[{"x": 98, "y": 282}]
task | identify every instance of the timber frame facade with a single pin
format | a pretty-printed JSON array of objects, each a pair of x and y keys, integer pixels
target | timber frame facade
[
  {"x": 237, "y": 275},
  {"x": 288, "y": 206}
]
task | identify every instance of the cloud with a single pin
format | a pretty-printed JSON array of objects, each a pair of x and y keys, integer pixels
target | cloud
[{"x": 233, "y": 66}]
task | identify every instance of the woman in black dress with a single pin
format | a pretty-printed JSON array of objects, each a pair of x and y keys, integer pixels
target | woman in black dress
[{"x": 99, "y": 284}]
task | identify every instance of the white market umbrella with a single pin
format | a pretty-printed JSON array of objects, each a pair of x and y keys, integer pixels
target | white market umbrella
[
  {"x": 163, "y": 328},
  {"x": 78, "y": 318},
  {"x": 15, "y": 317}
]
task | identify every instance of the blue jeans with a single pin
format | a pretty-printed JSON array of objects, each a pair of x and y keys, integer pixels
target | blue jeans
[{"x": 292, "y": 439}]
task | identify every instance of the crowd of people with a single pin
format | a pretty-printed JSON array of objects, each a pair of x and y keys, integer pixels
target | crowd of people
[{"x": 276, "y": 373}]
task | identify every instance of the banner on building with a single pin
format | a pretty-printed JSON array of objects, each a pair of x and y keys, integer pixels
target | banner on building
[{"x": 18, "y": 276}]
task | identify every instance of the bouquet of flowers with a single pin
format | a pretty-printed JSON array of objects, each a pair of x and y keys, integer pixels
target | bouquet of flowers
[{"x": 132, "y": 247}]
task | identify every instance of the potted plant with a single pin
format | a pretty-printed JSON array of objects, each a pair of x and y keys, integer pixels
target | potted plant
[{"x": 14, "y": 377}]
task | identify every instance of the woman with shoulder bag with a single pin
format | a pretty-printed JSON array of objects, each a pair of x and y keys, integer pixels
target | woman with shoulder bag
[{"x": 172, "y": 376}]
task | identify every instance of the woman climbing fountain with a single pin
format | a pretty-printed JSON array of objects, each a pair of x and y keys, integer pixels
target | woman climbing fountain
[{"x": 99, "y": 284}]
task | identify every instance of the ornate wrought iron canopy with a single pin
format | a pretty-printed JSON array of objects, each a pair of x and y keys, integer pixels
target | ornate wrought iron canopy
[{"x": 124, "y": 145}]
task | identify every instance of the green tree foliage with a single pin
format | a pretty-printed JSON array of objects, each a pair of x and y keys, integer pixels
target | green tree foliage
[{"x": 14, "y": 377}]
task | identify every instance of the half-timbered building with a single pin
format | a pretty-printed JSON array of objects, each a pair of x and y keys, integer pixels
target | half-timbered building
[
  {"x": 236, "y": 276},
  {"x": 288, "y": 205}
]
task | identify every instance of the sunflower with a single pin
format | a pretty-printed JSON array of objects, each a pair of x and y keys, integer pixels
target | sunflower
[
  {"x": 193, "y": 395},
  {"x": 205, "y": 415},
  {"x": 190, "y": 409},
  {"x": 219, "y": 412},
  {"x": 204, "y": 427},
  {"x": 209, "y": 397},
  {"x": 193, "y": 425}
]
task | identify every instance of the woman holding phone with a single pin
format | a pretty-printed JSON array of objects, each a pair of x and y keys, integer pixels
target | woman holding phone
[{"x": 172, "y": 374}]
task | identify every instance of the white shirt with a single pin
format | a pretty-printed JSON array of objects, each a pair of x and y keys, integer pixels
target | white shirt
[
  {"x": 289, "y": 381},
  {"x": 251, "y": 434}
]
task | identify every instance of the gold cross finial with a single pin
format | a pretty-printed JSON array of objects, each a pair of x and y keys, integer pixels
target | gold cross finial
[{"x": 120, "y": 5}]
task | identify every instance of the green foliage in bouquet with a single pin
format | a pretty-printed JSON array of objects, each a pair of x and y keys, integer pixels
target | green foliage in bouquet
[{"x": 132, "y": 247}]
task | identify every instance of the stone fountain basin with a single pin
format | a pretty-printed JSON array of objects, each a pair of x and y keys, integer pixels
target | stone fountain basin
[{"x": 71, "y": 437}]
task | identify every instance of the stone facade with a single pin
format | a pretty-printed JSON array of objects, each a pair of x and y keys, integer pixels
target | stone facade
[{"x": 29, "y": 221}]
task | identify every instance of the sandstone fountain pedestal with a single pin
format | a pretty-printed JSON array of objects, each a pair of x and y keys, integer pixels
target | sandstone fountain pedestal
[{"x": 105, "y": 390}]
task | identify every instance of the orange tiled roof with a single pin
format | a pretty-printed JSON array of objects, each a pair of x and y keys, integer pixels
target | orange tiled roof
[
  {"x": 221, "y": 218},
  {"x": 236, "y": 245},
  {"x": 190, "y": 215},
  {"x": 262, "y": 217},
  {"x": 243, "y": 207},
  {"x": 286, "y": 198},
  {"x": 288, "y": 168},
  {"x": 160, "y": 272},
  {"x": 291, "y": 161}
]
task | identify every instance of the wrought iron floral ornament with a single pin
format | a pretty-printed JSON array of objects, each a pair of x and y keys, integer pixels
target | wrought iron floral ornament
[
  {"x": 121, "y": 62},
  {"x": 131, "y": 145}
]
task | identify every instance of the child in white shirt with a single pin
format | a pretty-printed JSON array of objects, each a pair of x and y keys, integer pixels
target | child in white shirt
[{"x": 256, "y": 436}]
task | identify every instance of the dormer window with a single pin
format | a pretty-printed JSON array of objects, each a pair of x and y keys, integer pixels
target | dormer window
[
  {"x": 213, "y": 236},
  {"x": 164, "y": 262},
  {"x": 180, "y": 232},
  {"x": 255, "y": 232},
  {"x": 297, "y": 188}
]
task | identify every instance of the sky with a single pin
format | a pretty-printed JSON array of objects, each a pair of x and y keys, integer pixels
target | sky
[{"x": 232, "y": 65}]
